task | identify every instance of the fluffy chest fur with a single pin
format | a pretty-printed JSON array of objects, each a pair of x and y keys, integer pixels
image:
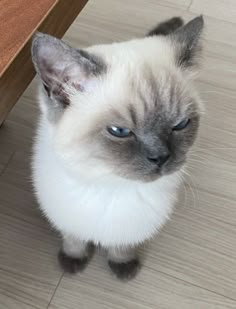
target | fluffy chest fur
[
  {"x": 117, "y": 123},
  {"x": 111, "y": 211}
]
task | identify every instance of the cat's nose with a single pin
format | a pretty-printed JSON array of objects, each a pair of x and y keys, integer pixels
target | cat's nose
[{"x": 160, "y": 160}]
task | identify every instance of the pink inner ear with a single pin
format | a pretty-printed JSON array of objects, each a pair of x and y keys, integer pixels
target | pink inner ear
[
  {"x": 78, "y": 86},
  {"x": 65, "y": 72}
]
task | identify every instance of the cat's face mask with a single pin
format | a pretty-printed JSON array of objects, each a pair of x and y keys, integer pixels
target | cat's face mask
[{"x": 125, "y": 109}]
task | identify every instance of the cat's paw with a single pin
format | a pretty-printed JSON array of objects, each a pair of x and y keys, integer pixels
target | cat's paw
[
  {"x": 70, "y": 264},
  {"x": 125, "y": 271}
]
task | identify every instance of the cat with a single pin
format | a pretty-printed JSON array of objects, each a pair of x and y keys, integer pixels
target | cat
[{"x": 117, "y": 122}]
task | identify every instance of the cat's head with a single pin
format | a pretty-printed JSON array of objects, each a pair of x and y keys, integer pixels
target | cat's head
[{"x": 126, "y": 109}]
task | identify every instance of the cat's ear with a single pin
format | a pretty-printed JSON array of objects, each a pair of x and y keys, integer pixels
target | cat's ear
[
  {"x": 61, "y": 67},
  {"x": 187, "y": 40},
  {"x": 166, "y": 27}
]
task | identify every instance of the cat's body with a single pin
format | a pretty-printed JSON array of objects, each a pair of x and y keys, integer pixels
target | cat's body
[
  {"x": 112, "y": 138},
  {"x": 110, "y": 211}
]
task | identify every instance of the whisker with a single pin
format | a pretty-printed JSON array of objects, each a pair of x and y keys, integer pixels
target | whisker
[
  {"x": 217, "y": 92},
  {"x": 219, "y": 148},
  {"x": 185, "y": 191},
  {"x": 201, "y": 157},
  {"x": 217, "y": 68},
  {"x": 192, "y": 188}
]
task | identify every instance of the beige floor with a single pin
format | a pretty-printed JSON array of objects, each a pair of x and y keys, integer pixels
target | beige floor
[{"x": 192, "y": 263}]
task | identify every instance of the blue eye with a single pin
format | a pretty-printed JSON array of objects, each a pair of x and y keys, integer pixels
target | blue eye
[
  {"x": 181, "y": 125},
  {"x": 119, "y": 132}
]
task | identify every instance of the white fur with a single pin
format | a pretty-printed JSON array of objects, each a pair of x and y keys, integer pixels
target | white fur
[
  {"x": 107, "y": 210},
  {"x": 111, "y": 211}
]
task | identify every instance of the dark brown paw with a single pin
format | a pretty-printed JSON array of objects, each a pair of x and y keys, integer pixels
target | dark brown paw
[
  {"x": 72, "y": 265},
  {"x": 125, "y": 271}
]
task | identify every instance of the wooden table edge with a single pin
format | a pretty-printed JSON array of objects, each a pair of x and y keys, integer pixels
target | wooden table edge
[{"x": 19, "y": 73}]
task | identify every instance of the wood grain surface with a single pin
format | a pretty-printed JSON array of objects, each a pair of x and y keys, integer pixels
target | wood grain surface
[{"x": 18, "y": 21}]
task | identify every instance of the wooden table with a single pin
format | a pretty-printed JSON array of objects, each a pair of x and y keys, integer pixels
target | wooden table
[{"x": 19, "y": 19}]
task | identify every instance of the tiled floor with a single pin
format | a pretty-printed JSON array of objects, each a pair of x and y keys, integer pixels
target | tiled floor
[{"x": 192, "y": 262}]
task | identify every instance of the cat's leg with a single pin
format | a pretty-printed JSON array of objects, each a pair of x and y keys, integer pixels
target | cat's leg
[
  {"x": 74, "y": 254},
  {"x": 124, "y": 262}
]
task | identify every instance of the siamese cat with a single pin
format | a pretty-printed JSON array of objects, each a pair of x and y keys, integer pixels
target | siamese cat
[{"x": 117, "y": 122}]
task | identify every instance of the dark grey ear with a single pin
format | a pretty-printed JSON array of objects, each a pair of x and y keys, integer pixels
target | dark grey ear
[
  {"x": 166, "y": 27},
  {"x": 61, "y": 67},
  {"x": 188, "y": 39}
]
